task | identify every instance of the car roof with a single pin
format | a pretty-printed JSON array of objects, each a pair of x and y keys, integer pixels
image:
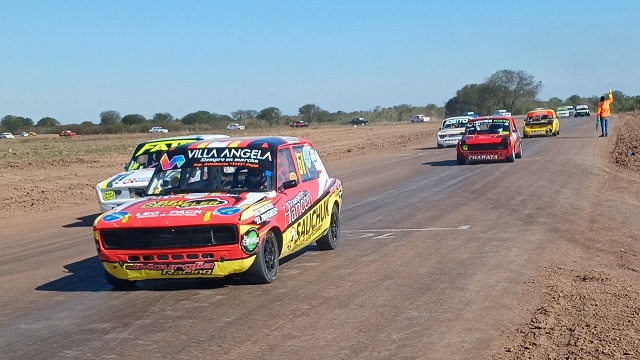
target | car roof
[{"x": 464, "y": 117}]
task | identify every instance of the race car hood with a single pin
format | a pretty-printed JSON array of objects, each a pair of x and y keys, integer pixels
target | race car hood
[
  {"x": 128, "y": 179},
  {"x": 456, "y": 131},
  {"x": 484, "y": 139},
  {"x": 183, "y": 210}
]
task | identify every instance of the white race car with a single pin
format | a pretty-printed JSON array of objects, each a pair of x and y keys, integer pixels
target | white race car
[
  {"x": 451, "y": 131},
  {"x": 131, "y": 183}
]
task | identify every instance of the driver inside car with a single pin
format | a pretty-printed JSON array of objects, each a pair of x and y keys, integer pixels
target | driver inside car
[{"x": 255, "y": 180}]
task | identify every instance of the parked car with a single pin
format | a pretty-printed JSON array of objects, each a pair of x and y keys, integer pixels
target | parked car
[
  {"x": 451, "y": 131},
  {"x": 489, "y": 139},
  {"x": 235, "y": 127},
  {"x": 67, "y": 133},
  {"x": 158, "y": 129},
  {"x": 562, "y": 111},
  {"x": 501, "y": 112},
  {"x": 7, "y": 135},
  {"x": 582, "y": 110},
  {"x": 359, "y": 121},
  {"x": 541, "y": 122},
  {"x": 131, "y": 183},
  {"x": 419, "y": 118},
  {"x": 218, "y": 208},
  {"x": 299, "y": 123}
]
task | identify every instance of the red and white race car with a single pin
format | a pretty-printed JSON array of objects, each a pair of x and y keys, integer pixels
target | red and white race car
[
  {"x": 219, "y": 207},
  {"x": 494, "y": 138}
]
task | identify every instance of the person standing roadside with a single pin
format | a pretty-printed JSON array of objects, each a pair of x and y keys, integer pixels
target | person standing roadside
[{"x": 604, "y": 112}]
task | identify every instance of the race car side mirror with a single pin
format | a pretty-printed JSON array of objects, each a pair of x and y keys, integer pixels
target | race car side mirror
[{"x": 289, "y": 184}]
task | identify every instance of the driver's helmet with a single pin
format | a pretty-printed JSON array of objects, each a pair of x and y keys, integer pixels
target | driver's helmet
[{"x": 255, "y": 178}]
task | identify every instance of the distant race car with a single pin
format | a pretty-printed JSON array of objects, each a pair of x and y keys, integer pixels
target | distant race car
[
  {"x": 130, "y": 184},
  {"x": 451, "y": 131},
  {"x": 541, "y": 122},
  {"x": 501, "y": 113},
  {"x": 582, "y": 110},
  {"x": 572, "y": 111},
  {"x": 470, "y": 113},
  {"x": 235, "y": 127},
  {"x": 489, "y": 139},
  {"x": 562, "y": 111},
  {"x": 158, "y": 129},
  {"x": 218, "y": 208},
  {"x": 420, "y": 118},
  {"x": 359, "y": 121},
  {"x": 67, "y": 133},
  {"x": 299, "y": 123},
  {"x": 7, "y": 135}
]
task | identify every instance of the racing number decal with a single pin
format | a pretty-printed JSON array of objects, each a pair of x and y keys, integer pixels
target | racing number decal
[{"x": 301, "y": 166}]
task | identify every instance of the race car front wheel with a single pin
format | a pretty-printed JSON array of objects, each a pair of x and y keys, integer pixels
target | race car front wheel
[
  {"x": 118, "y": 283},
  {"x": 330, "y": 240},
  {"x": 461, "y": 160},
  {"x": 264, "y": 269}
]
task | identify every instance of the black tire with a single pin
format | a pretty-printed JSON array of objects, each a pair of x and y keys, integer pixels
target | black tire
[
  {"x": 331, "y": 239},
  {"x": 440, "y": 146},
  {"x": 460, "y": 160},
  {"x": 519, "y": 153},
  {"x": 511, "y": 158},
  {"x": 119, "y": 283},
  {"x": 264, "y": 269}
]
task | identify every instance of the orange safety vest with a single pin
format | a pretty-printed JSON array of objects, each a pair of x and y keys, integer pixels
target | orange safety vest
[{"x": 604, "y": 107}]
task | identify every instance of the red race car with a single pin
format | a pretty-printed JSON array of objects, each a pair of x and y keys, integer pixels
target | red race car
[
  {"x": 299, "y": 123},
  {"x": 67, "y": 133},
  {"x": 214, "y": 208},
  {"x": 493, "y": 138}
]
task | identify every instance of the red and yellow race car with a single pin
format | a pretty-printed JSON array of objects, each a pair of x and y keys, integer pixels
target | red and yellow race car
[
  {"x": 219, "y": 207},
  {"x": 494, "y": 138}
]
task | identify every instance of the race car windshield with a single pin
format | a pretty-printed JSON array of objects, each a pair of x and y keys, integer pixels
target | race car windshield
[
  {"x": 207, "y": 179},
  {"x": 487, "y": 127},
  {"x": 453, "y": 124}
]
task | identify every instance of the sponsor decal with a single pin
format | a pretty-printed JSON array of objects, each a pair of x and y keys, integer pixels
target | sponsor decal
[
  {"x": 109, "y": 195},
  {"x": 197, "y": 268},
  {"x": 230, "y": 155},
  {"x": 250, "y": 242},
  {"x": 157, "y": 213},
  {"x": 155, "y": 146},
  {"x": 227, "y": 211},
  {"x": 310, "y": 225},
  {"x": 265, "y": 213},
  {"x": 296, "y": 206},
  {"x": 184, "y": 203},
  {"x": 116, "y": 216},
  {"x": 483, "y": 157},
  {"x": 134, "y": 181},
  {"x": 170, "y": 164}
]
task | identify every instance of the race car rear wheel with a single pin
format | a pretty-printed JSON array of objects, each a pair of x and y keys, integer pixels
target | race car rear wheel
[
  {"x": 118, "y": 283},
  {"x": 330, "y": 240},
  {"x": 264, "y": 269},
  {"x": 519, "y": 153},
  {"x": 512, "y": 157}
]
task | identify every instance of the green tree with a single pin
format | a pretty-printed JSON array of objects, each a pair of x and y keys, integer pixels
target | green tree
[
  {"x": 270, "y": 114},
  {"x": 109, "y": 117},
  {"x": 162, "y": 117},
  {"x": 310, "y": 112},
  {"x": 510, "y": 87},
  {"x": 12, "y": 123},
  {"x": 47, "y": 122},
  {"x": 243, "y": 114},
  {"x": 133, "y": 119},
  {"x": 198, "y": 117}
]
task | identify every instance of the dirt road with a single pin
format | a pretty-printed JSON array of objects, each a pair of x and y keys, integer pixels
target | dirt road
[{"x": 531, "y": 260}]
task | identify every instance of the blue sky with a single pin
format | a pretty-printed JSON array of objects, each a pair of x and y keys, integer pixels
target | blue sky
[{"x": 72, "y": 60}]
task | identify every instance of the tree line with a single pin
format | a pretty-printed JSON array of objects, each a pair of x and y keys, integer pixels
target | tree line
[{"x": 515, "y": 91}]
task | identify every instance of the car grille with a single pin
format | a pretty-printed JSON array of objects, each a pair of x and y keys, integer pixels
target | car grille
[
  {"x": 485, "y": 147},
  {"x": 164, "y": 238}
]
